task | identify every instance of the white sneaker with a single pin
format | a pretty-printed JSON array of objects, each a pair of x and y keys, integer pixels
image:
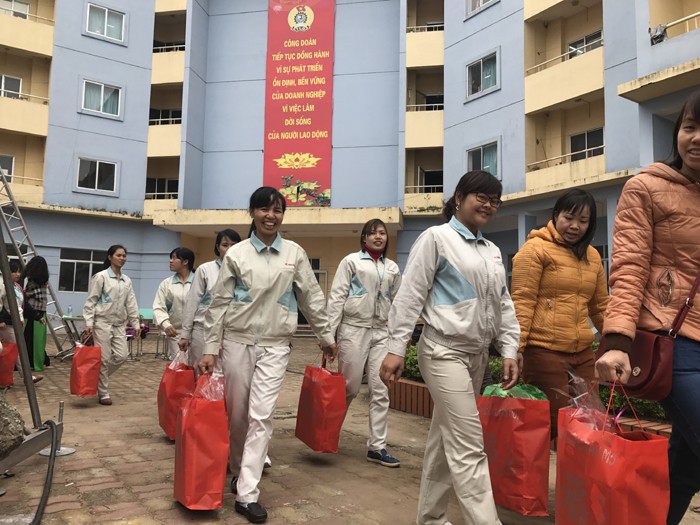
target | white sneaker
[{"x": 268, "y": 462}]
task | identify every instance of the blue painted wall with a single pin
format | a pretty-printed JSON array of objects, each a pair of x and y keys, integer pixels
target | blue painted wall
[
  {"x": 224, "y": 103},
  {"x": 497, "y": 115},
  {"x": 72, "y": 134}
]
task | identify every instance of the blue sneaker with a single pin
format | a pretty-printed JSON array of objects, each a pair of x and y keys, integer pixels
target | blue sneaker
[{"x": 383, "y": 458}]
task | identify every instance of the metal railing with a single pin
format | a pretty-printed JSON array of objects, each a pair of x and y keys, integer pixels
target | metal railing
[
  {"x": 687, "y": 21},
  {"x": 425, "y": 107},
  {"x": 426, "y": 28},
  {"x": 565, "y": 56},
  {"x": 169, "y": 48},
  {"x": 24, "y": 96},
  {"x": 566, "y": 158},
  {"x": 161, "y": 195},
  {"x": 20, "y": 179},
  {"x": 422, "y": 188},
  {"x": 26, "y": 16},
  {"x": 164, "y": 121}
]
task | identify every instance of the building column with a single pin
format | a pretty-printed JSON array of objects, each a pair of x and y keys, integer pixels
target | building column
[
  {"x": 526, "y": 223},
  {"x": 611, "y": 207}
]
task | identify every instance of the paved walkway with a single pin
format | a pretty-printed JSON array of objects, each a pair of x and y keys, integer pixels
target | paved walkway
[{"x": 122, "y": 472}]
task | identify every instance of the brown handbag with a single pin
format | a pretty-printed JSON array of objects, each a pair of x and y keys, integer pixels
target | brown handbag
[{"x": 651, "y": 356}]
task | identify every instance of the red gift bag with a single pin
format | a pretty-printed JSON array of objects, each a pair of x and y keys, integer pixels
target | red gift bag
[
  {"x": 176, "y": 383},
  {"x": 604, "y": 477},
  {"x": 516, "y": 441},
  {"x": 201, "y": 446},
  {"x": 8, "y": 358},
  {"x": 321, "y": 408},
  {"x": 85, "y": 370}
]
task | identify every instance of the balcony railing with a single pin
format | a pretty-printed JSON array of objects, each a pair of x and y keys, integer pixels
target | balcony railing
[
  {"x": 567, "y": 55},
  {"x": 161, "y": 195},
  {"x": 567, "y": 157},
  {"x": 425, "y": 107},
  {"x": 164, "y": 121},
  {"x": 169, "y": 48},
  {"x": 660, "y": 33},
  {"x": 422, "y": 188},
  {"x": 24, "y": 96},
  {"x": 426, "y": 29},
  {"x": 26, "y": 16}
]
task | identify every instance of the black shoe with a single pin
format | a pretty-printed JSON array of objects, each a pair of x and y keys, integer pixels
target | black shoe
[
  {"x": 234, "y": 482},
  {"x": 254, "y": 512}
]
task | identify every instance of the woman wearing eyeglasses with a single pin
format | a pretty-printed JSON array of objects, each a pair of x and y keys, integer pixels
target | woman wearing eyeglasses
[
  {"x": 558, "y": 284},
  {"x": 455, "y": 280}
]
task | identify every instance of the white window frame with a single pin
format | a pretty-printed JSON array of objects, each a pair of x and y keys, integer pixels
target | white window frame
[
  {"x": 588, "y": 154},
  {"x": 11, "y": 171},
  {"x": 479, "y": 6},
  {"x": 19, "y": 13},
  {"x": 94, "y": 261},
  {"x": 4, "y": 91},
  {"x": 493, "y": 142},
  {"x": 112, "y": 192},
  {"x": 495, "y": 53},
  {"x": 107, "y": 12},
  {"x": 587, "y": 41},
  {"x": 102, "y": 99}
]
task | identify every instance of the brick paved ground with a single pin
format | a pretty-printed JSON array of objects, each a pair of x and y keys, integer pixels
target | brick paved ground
[{"x": 122, "y": 472}]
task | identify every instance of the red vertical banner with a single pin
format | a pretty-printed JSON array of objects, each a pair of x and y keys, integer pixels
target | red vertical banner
[{"x": 299, "y": 100}]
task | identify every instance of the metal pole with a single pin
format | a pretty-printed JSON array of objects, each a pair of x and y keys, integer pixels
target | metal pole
[{"x": 19, "y": 332}]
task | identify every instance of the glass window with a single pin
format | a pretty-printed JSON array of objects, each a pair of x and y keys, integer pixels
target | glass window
[
  {"x": 589, "y": 144},
  {"x": 481, "y": 75},
  {"x": 101, "y": 98},
  {"x": 10, "y": 87},
  {"x": 484, "y": 158},
  {"x": 14, "y": 8},
  {"x": 105, "y": 22},
  {"x": 161, "y": 188},
  {"x": 97, "y": 175},
  {"x": 473, "y": 5},
  {"x": 77, "y": 267},
  {"x": 7, "y": 162},
  {"x": 586, "y": 44}
]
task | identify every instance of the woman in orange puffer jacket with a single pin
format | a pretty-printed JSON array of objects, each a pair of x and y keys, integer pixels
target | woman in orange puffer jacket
[{"x": 558, "y": 284}]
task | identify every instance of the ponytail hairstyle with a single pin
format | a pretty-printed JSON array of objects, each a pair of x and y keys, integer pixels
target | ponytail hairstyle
[
  {"x": 575, "y": 201},
  {"x": 264, "y": 197},
  {"x": 368, "y": 228},
  {"x": 111, "y": 251},
  {"x": 231, "y": 235},
  {"x": 477, "y": 181},
  {"x": 185, "y": 255}
]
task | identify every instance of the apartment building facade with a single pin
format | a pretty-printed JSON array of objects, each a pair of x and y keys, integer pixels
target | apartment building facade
[{"x": 141, "y": 122}]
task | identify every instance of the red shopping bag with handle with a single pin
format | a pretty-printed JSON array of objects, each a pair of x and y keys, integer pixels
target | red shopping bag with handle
[
  {"x": 176, "y": 383},
  {"x": 8, "y": 358},
  {"x": 202, "y": 445},
  {"x": 85, "y": 370},
  {"x": 609, "y": 476},
  {"x": 321, "y": 408},
  {"x": 516, "y": 441}
]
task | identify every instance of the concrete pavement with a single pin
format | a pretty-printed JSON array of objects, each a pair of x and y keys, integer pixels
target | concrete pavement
[{"x": 122, "y": 471}]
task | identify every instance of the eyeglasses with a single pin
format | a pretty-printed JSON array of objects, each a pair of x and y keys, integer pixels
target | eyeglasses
[{"x": 493, "y": 201}]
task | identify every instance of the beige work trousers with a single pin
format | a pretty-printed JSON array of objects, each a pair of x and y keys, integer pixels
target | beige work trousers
[
  {"x": 454, "y": 452},
  {"x": 359, "y": 347},
  {"x": 253, "y": 376},
  {"x": 112, "y": 341}
]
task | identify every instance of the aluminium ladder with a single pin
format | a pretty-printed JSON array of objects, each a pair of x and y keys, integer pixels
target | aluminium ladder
[{"x": 24, "y": 248}]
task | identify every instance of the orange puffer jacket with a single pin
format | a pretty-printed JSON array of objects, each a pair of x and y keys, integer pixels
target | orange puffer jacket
[
  {"x": 656, "y": 255},
  {"x": 555, "y": 293}
]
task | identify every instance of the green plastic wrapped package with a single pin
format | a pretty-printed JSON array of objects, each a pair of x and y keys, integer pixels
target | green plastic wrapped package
[{"x": 519, "y": 391}]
